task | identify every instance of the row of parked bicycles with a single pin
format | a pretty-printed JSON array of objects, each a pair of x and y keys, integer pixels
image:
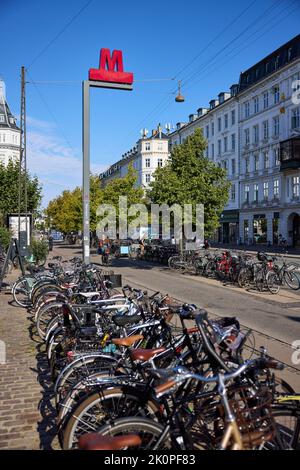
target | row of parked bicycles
[
  {"x": 260, "y": 271},
  {"x": 131, "y": 369}
]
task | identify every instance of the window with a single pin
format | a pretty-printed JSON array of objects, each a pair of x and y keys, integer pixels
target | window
[
  {"x": 11, "y": 120},
  {"x": 246, "y": 193},
  {"x": 233, "y": 166},
  {"x": 225, "y": 165},
  {"x": 276, "y": 157},
  {"x": 212, "y": 150},
  {"x": 276, "y": 62},
  {"x": 295, "y": 118},
  {"x": 255, "y": 103},
  {"x": 266, "y": 190},
  {"x": 233, "y": 117},
  {"x": 266, "y": 160},
  {"x": 159, "y": 162},
  {"x": 233, "y": 192},
  {"x": 266, "y": 99},
  {"x": 255, "y": 134},
  {"x": 207, "y": 132},
  {"x": 1, "y": 117},
  {"x": 212, "y": 128},
  {"x": 255, "y": 192},
  {"x": 206, "y": 152},
  {"x": 219, "y": 147},
  {"x": 276, "y": 188},
  {"x": 247, "y": 137},
  {"x": 256, "y": 162},
  {"x": 160, "y": 147},
  {"x": 295, "y": 186},
  {"x": 247, "y": 109},
  {"x": 247, "y": 165},
  {"x": 276, "y": 126},
  {"x": 219, "y": 124},
  {"x": 276, "y": 93},
  {"x": 225, "y": 144},
  {"x": 147, "y": 178},
  {"x": 147, "y": 146},
  {"x": 232, "y": 141},
  {"x": 226, "y": 121},
  {"x": 147, "y": 162},
  {"x": 266, "y": 130}
]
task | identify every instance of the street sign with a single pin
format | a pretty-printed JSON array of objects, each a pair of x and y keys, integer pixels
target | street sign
[
  {"x": 109, "y": 75},
  {"x": 111, "y": 69}
]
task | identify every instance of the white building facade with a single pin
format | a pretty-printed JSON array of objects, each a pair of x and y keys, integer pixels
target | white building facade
[
  {"x": 9, "y": 131},
  {"x": 148, "y": 154},
  {"x": 270, "y": 148}
]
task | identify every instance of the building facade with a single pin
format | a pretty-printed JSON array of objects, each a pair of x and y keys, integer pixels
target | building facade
[
  {"x": 254, "y": 133},
  {"x": 148, "y": 154},
  {"x": 269, "y": 160},
  {"x": 9, "y": 131}
]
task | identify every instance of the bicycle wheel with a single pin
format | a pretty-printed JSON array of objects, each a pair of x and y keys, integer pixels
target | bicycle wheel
[
  {"x": 151, "y": 433},
  {"x": 244, "y": 277},
  {"x": 273, "y": 282},
  {"x": 175, "y": 263},
  {"x": 21, "y": 292},
  {"x": 287, "y": 421},
  {"x": 82, "y": 367},
  {"x": 46, "y": 314},
  {"x": 210, "y": 269},
  {"x": 292, "y": 280},
  {"x": 104, "y": 406}
]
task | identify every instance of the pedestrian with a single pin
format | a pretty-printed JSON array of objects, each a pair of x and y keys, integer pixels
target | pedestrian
[
  {"x": 206, "y": 244},
  {"x": 50, "y": 241}
]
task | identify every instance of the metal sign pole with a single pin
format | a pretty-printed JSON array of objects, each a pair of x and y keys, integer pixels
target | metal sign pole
[
  {"x": 86, "y": 84},
  {"x": 86, "y": 171}
]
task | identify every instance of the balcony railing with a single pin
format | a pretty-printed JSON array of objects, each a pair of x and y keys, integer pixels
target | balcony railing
[{"x": 290, "y": 154}]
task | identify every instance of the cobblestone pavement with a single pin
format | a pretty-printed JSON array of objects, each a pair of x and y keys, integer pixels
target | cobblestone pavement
[{"x": 26, "y": 413}]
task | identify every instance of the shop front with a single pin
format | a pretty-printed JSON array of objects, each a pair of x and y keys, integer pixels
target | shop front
[{"x": 229, "y": 228}]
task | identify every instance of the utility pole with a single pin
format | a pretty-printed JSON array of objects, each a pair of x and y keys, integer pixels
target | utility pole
[{"x": 22, "y": 167}]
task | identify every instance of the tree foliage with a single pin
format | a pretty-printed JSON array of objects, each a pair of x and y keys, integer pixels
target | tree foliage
[
  {"x": 65, "y": 212},
  {"x": 191, "y": 178},
  {"x": 9, "y": 190}
]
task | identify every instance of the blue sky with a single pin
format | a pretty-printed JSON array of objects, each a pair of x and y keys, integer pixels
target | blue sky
[{"x": 206, "y": 44}]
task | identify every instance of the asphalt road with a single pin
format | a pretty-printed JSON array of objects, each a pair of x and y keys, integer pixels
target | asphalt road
[{"x": 280, "y": 320}]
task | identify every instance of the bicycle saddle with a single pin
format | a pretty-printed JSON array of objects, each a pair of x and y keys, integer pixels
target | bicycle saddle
[
  {"x": 121, "y": 320},
  {"x": 94, "y": 441}
]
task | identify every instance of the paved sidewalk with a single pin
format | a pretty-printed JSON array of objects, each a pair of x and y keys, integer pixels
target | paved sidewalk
[{"x": 26, "y": 413}]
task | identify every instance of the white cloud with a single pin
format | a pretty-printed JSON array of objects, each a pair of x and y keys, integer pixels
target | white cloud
[{"x": 57, "y": 166}]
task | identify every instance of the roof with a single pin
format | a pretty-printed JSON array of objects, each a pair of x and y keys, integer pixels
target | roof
[
  {"x": 282, "y": 56},
  {"x": 5, "y": 111}
]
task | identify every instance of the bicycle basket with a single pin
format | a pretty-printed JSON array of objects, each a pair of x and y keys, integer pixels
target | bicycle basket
[{"x": 253, "y": 414}]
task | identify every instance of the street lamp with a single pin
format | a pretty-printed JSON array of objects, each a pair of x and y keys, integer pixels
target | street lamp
[{"x": 179, "y": 98}]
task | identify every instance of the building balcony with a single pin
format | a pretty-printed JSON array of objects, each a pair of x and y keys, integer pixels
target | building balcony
[{"x": 289, "y": 152}]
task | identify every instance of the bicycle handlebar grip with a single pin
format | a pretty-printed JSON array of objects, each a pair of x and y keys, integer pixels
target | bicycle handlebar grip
[
  {"x": 164, "y": 386},
  {"x": 272, "y": 364}
]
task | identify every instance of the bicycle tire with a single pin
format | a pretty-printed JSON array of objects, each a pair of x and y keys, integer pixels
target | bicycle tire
[
  {"x": 273, "y": 282},
  {"x": 292, "y": 280},
  {"x": 75, "y": 424},
  {"x": 149, "y": 431}
]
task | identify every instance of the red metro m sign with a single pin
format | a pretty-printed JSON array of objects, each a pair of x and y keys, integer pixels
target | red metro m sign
[{"x": 111, "y": 69}]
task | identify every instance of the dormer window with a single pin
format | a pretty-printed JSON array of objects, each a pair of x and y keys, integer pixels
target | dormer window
[
  {"x": 1, "y": 117},
  {"x": 11, "y": 120}
]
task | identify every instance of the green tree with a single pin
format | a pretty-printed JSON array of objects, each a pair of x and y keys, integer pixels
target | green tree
[
  {"x": 191, "y": 178},
  {"x": 9, "y": 190},
  {"x": 65, "y": 211}
]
